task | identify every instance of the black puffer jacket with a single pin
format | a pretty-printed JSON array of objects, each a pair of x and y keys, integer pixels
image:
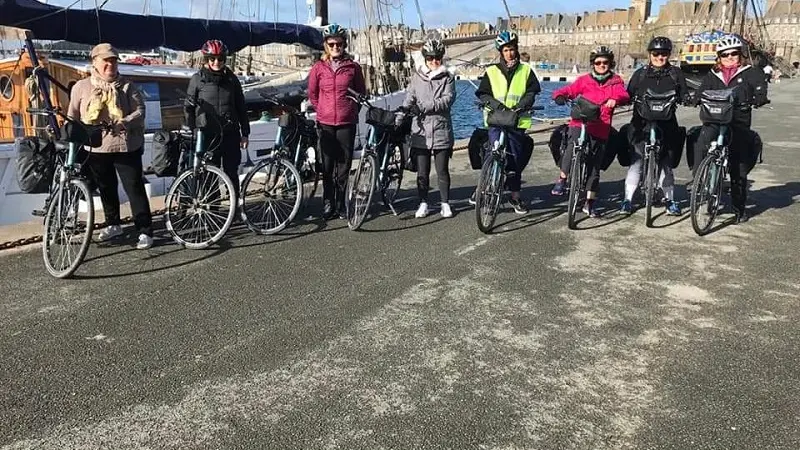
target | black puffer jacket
[
  {"x": 750, "y": 88},
  {"x": 658, "y": 80},
  {"x": 220, "y": 94}
]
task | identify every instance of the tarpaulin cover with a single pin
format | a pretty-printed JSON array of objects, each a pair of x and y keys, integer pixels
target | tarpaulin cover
[{"x": 138, "y": 32}]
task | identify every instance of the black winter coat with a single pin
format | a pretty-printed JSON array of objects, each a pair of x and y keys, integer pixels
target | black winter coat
[
  {"x": 658, "y": 80},
  {"x": 750, "y": 88},
  {"x": 217, "y": 94}
]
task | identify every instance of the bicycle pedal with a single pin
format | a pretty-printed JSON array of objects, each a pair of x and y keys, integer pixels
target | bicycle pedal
[{"x": 38, "y": 212}]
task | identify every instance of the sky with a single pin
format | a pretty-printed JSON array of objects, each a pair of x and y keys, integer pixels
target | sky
[{"x": 349, "y": 13}]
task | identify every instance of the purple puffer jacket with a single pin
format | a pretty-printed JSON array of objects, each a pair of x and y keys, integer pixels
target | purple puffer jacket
[{"x": 327, "y": 91}]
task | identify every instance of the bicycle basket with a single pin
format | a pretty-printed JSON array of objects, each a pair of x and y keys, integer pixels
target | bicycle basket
[
  {"x": 584, "y": 110},
  {"x": 82, "y": 134},
  {"x": 504, "y": 118},
  {"x": 380, "y": 117},
  {"x": 716, "y": 106},
  {"x": 656, "y": 107}
]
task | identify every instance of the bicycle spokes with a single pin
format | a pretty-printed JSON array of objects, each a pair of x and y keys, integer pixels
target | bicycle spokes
[{"x": 271, "y": 197}]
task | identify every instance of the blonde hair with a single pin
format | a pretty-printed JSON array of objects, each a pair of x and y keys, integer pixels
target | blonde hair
[{"x": 326, "y": 55}]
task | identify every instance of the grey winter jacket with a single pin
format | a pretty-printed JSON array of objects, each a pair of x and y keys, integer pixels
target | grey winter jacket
[{"x": 433, "y": 128}]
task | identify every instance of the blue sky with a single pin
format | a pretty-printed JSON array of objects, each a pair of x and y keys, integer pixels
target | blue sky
[{"x": 348, "y": 12}]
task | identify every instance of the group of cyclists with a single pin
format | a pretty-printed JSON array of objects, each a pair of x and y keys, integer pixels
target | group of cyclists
[{"x": 507, "y": 85}]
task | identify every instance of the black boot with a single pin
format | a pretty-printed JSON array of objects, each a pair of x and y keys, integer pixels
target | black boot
[
  {"x": 327, "y": 210},
  {"x": 739, "y": 198}
]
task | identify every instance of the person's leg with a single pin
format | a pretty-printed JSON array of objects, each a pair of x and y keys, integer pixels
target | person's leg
[
  {"x": 443, "y": 174},
  {"x": 559, "y": 188},
  {"x": 104, "y": 176},
  {"x": 737, "y": 165},
  {"x": 423, "y": 157},
  {"x": 329, "y": 147},
  {"x": 345, "y": 136},
  {"x": 231, "y": 159},
  {"x": 129, "y": 167}
]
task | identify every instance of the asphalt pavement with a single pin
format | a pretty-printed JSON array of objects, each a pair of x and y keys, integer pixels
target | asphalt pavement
[{"x": 426, "y": 333}]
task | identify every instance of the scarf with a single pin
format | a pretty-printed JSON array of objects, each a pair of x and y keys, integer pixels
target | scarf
[
  {"x": 728, "y": 73},
  {"x": 429, "y": 74},
  {"x": 213, "y": 76},
  {"x": 601, "y": 78},
  {"x": 104, "y": 97},
  {"x": 338, "y": 62}
]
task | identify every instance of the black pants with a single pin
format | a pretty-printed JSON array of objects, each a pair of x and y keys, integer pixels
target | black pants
[
  {"x": 336, "y": 145},
  {"x": 103, "y": 169},
  {"x": 227, "y": 156},
  {"x": 739, "y": 140},
  {"x": 593, "y": 158},
  {"x": 442, "y": 159}
]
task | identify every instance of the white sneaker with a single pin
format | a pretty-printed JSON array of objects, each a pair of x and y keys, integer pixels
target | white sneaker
[
  {"x": 422, "y": 211},
  {"x": 145, "y": 242},
  {"x": 446, "y": 211},
  {"x": 110, "y": 232}
]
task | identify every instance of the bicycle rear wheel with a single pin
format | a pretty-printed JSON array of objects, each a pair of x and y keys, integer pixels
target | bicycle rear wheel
[
  {"x": 68, "y": 228},
  {"x": 488, "y": 194},
  {"x": 706, "y": 194},
  {"x": 271, "y": 196},
  {"x": 360, "y": 191},
  {"x": 199, "y": 212},
  {"x": 651, "y": 171},
  {"x": 575, "y": 187}
]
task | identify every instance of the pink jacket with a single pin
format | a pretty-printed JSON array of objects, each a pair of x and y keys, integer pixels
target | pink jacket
[
  {"x": 327, "y": 91},
  {"x": 591, "y": 90}
]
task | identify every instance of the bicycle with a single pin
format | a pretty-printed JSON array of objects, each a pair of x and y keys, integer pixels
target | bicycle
[
  {"x": 716, "y": 107},
  {"x": 384, "y": 139},
  {"x": 69, "y": 195},
  {"x": 492, "y": 178},
  {"x": 584, "y": 111},
  {"x": 654, "y": 108},
  {"x": 280, "y": 188},
  {"x": 194, "y": 198}
]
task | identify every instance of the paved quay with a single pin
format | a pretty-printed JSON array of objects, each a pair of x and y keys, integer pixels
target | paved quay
[{"x": 426, "y": 333}]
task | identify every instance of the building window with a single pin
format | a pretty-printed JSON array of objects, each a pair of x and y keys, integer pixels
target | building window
[{"x": 6, "y": 88}]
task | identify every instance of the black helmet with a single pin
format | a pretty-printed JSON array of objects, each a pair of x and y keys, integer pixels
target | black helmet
[
  {"x": 601, "y": 51},
  {"x": 660, "y": 43}
]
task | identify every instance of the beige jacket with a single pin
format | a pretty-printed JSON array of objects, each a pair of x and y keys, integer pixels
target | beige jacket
[{"x": 132, "y": 104}]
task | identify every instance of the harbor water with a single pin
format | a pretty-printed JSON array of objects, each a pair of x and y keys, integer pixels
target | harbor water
[{"x": 467, "y": 116}]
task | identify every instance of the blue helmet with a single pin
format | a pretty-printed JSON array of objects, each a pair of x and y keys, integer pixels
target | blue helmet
[
  {"x": 333, "y": 30},
  {"x": 506, "y": 38}
]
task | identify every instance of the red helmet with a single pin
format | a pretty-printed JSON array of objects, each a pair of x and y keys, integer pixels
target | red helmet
[{"x": 214, "y": 47}]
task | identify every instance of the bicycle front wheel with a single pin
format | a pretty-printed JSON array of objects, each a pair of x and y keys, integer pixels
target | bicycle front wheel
[
  {"x": 651, "y": 172},
  {"x": 360, "y": 191},
  {"x": 706, "y": 194},
  {"x": 200, "y": 207},
  {"x": 68, "y": 226},
  {"x": 575, "y": 187},
  {"x": 488, "y": 194},
  {"x": 271, "y": 196}
]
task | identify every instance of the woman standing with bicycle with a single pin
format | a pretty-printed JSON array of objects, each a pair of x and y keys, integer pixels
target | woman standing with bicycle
[
  {"x": 659, "y": 76},
  {"x": 429, "y": 98},
  {"x": 337, "y": 116},
  {"x": 106, "y": 97},
  {"x": 733, "y": 71},
  {"x": 602, "y": 87}
]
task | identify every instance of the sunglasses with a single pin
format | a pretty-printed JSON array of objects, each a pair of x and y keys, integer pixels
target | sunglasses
[
  {"x": 660, "y": 54},
  {"x": 216, "y": 58},
  {"x": 335, "y": 44},
  {"x": 729, "y": 54},
  {"x": 431, "y": 58},
  {"x": 601, "y": 63}
]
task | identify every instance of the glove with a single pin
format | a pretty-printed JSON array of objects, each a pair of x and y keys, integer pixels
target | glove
[
  {"x": 560, "y": 100},
  {"x": 414, "y": 110}
]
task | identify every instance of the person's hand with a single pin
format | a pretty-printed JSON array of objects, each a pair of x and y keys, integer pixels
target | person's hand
[
  {"x": 611, "y": 103},
  {"x": 245, "y": 142}
]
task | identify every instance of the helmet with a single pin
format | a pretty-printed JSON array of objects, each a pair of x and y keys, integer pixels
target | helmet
[
  {"x": 214, "y": 47},
  {"x": 601, "y": 51},
  {"x": 505, "y": 38},
  {"x": 433, "y": 47},
  {"x": 333, "y": 30},
  {"x": 729, "y": 42},
  {"x": 660, "y": 43}
]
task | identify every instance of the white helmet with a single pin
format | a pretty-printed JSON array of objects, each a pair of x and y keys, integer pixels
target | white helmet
[
  {"x": 729, "y": 42},
  {"x": 433, "y": 47}
]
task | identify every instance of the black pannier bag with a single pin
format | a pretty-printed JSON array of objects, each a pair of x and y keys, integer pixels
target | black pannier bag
[
  {"x": 656, "y": 107},
  {"x": 675, "y": 146},
  {"x": 614, "y": 144},
  {"x": 584, "y": 110},
  {"x": 716, "y": 106},
  {"x": 166, "y": 154},
  {"x": 692, "y": 135},
  {"x": 625, "y": 149},
  {"x": 477, "y": 147},
  {"x": 558, "y": 143},
  {"x": 35, "y": 164}
]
